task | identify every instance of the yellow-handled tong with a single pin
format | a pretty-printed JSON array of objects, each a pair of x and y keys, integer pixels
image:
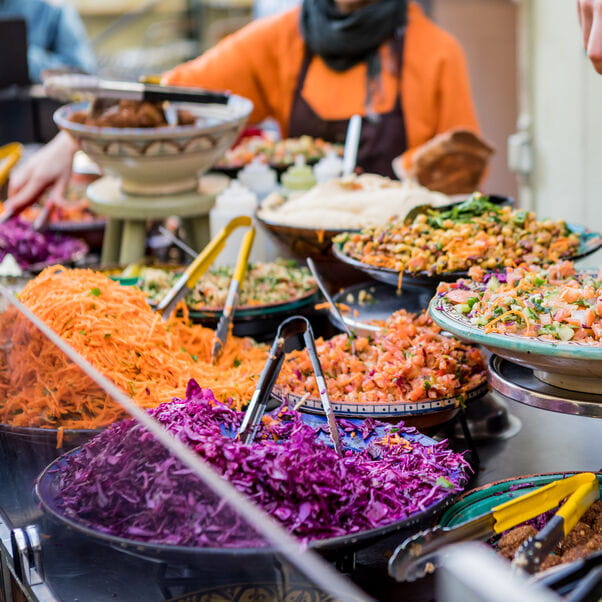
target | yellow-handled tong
[
  {"x": 10, "y": 155},
  {"x": 534, "y": 551},
  {"x": 199, "y": 266},
  {"x": 419, "y": 554},
  {"x": 223, "y": 326}
]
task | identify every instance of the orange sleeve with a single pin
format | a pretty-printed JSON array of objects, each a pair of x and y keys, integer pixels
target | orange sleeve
[
  {"x": 456, "y": 108},
  {"x": 435, "y": 85},
  {"x": 249, "y": 63}
]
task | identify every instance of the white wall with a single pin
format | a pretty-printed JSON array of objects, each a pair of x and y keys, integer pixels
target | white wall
[
  {"x": 566, "y": 111},
  {"x": 487, "y": 31}
]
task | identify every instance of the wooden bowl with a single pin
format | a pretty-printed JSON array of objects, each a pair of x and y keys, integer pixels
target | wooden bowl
[{"x": 302, "y": 242}]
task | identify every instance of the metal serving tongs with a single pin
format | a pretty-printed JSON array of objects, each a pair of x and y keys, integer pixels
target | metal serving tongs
[
  {"x": 533, "y": 552},
  {"x": 199, "y": 266},
  {"x": 420, "y": 554},
  {"x": 576, "y": 581},
  {"x": 69, "y": 85},
  {"x": 294, "y": 333},
  {"x": 223, "y": 326}
]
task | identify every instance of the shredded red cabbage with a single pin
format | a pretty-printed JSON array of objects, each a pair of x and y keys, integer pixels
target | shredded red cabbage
[
  {"x": 500, "y": 276},
  {"x": 125, "y": 483},
  {"x": 31, "y": 248}
]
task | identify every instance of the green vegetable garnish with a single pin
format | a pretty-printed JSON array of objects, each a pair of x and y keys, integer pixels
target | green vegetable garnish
[
  {"x": 520, "y": 217},
  {"x": 476, "y": 205},
  {"x": 444, "y": 482}
]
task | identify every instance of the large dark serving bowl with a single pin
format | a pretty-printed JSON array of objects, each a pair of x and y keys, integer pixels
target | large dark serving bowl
[{"x": 49, "y": 496}]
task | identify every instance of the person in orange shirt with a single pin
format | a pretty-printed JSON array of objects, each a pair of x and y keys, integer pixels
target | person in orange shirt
[{"x": 312, "y": 68}]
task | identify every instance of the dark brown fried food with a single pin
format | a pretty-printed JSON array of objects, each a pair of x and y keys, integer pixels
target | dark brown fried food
[
  {"x": 597, "y": 526},
  {"x": 507, "y": 552},
  {"x": 79, "y": 116},
  {"x": 129, "y": 114},
  {"x": 510, "y": 541},
  {"x": 595, "y": 543},
  {"x": 592, "y": 513},
  {"x": 550, "y": 561},
  {"x": 578, "y": 536},
  {"x": 186, "y": 117},
  {"x": 150, "y": 115},
  {"x": 576, "y": 553}
]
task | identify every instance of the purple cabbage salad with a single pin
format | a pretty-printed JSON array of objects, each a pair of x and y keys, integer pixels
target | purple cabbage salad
[
  {"x": 30, "y": 248},
  {"x": 125, "y": 483}
]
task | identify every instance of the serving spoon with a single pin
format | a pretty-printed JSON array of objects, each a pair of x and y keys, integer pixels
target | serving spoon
[{"x": 333, "y": 306}]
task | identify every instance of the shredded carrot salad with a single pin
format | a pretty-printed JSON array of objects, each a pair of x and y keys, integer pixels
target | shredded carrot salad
[
  {"x": 409, "y": 361},
  {"x": 474, "y": 233},
  {"x": 116, "y": 330},
  {"x": 557, "y": 304}
]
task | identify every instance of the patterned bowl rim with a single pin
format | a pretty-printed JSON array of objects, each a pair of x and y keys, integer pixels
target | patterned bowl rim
[
  {"x": 239, "y": 107},
  {"x": 449, "y": 319}
]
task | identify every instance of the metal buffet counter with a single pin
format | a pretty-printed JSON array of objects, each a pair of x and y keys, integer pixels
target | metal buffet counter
[
  {"x": 68, "y": 567},
  {"x": 43, "y": 560}
]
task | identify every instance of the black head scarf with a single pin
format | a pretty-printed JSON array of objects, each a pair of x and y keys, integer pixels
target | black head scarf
[{"x": 344, "y": 40}]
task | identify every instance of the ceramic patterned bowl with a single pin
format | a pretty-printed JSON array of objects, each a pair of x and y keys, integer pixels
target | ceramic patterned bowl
[
  {"x": 161, "y": 160},
  {"x": 571, "y": 365}
]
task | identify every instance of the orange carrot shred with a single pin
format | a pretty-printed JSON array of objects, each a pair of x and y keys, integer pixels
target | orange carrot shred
[{"x": 116, "y": 330}]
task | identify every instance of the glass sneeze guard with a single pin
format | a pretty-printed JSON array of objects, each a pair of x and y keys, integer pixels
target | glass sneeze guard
[{"x": 135, "y": 514}]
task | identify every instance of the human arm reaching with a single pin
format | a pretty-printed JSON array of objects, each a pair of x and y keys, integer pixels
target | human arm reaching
[
  {"x": 48, "y": 169},
  {"x": 590, "y": 19}
]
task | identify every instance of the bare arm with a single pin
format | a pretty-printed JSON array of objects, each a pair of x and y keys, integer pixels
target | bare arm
[
  {"x": 49, "y": 168},
  {"x": 590, "y": 19}
]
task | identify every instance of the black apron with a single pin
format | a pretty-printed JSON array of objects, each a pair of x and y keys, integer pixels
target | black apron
[{"x": 383, "y": 136}]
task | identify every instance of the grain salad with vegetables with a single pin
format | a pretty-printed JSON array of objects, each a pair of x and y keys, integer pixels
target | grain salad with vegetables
[
  {"x": 555, "y": 304},
  {"x": 475, "y": 232},
  {"x": 280, "y": 281}
]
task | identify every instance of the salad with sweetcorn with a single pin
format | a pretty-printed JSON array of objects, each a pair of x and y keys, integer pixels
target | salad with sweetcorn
[
  {"x": 475, "y": 232},
  {"x": 270, "y": 283}
]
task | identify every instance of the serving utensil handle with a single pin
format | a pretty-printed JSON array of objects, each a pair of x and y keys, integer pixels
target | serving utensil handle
[{"x": 294, "y": 333}]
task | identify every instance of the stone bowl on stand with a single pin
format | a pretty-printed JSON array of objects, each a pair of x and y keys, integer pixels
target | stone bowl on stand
[{"x": 160, "y": 160}]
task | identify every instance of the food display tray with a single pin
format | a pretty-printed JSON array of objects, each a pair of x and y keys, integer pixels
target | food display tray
[{"x": 373, "y": 301}]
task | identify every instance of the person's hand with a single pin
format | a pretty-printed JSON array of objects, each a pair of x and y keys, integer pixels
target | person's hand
[
  {"x": 49, "y": 168},
  {"x": 590, "y": 19}
]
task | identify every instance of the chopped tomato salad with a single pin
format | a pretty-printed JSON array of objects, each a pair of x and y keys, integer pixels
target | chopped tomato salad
[{"x": 408, "y": 361}]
